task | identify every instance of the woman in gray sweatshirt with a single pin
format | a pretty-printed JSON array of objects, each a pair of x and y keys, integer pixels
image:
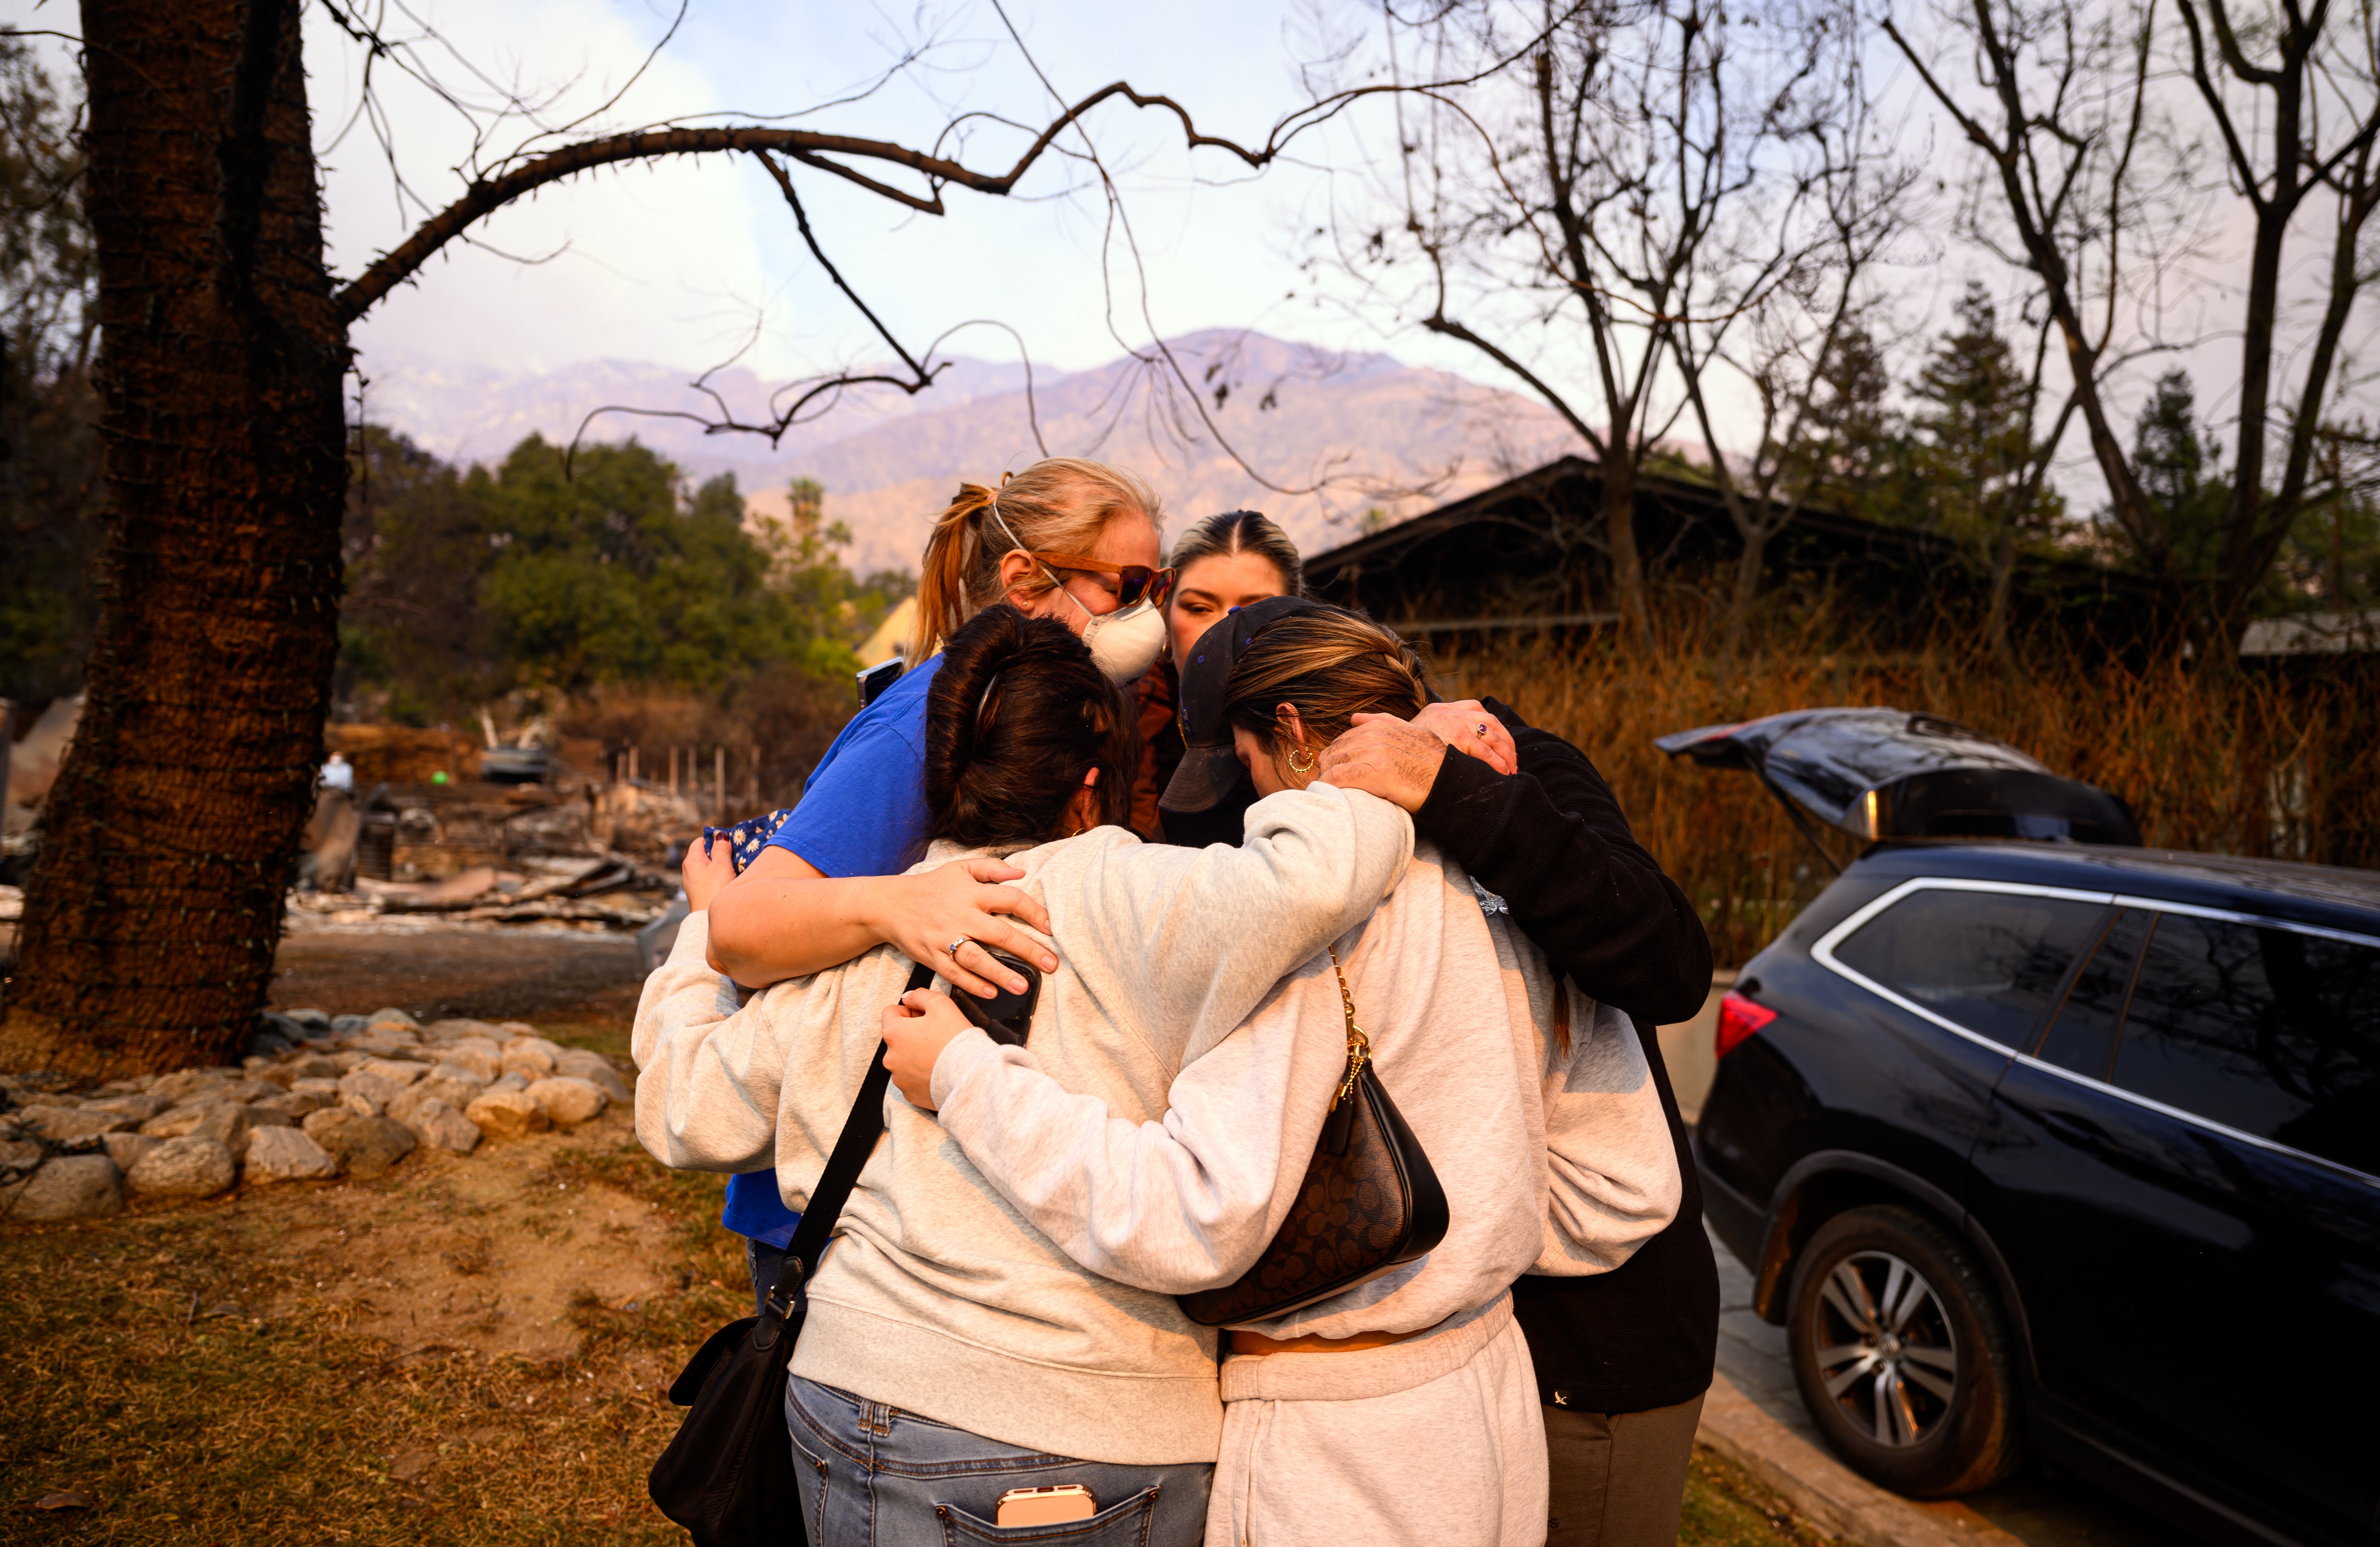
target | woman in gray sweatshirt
[
  {"x": 1405, "y": 1410},
  {"x": 953, "y": 1351}
]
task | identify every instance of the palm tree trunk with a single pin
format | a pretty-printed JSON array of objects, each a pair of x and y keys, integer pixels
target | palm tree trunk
[{"x": 154, "y": 909}]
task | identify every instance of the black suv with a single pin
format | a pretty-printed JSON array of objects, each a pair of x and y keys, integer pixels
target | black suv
[
  {"x": 2078, "y": 1146},
  {"x": 2067, "y": 1143}
]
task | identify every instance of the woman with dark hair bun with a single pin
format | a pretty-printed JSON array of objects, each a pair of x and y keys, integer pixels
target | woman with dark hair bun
[
  {"x": 953, "y": 1352},
  {"x": 1024, "y": 736},
  {"x": 1067, "y": 539}
]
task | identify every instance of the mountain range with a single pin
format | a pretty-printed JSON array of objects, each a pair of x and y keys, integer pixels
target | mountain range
[{"x": 1336, "y": 436}]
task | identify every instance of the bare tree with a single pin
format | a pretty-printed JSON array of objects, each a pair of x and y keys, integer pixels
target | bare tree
[
  {"x": 1532, "y": 196},
  {"x": 1779, "y": 154},
  {"x": 156, "y": 906},
  {"x": 2062, "y": 152},
  {"x": 2305, "y": 132},
  {"x": 2097, "y": 206},
  {"x": 1583, "y": 210}
]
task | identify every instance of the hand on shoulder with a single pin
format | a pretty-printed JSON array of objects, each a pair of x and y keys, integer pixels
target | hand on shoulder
[
  {"x": 1383, "y": 755},
  {"x": 966, "y": 903},
  {"x": 1466, "y": 725}
]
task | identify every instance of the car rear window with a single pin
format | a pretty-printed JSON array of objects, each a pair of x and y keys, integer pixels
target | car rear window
[
  {"x": 2267, "y": 1030},
  {"x": 2083, "y": 1038},
  {"x": 1991, "y": 961}
]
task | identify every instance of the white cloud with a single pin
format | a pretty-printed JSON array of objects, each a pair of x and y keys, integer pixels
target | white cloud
[{"x": 654, "y": 261}]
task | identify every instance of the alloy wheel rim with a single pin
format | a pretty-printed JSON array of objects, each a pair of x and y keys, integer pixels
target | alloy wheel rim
[{"x": 1885, "y": 1351}]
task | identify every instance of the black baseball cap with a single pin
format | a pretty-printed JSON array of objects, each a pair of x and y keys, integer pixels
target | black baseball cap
[{"x": 1209, "y": 766}]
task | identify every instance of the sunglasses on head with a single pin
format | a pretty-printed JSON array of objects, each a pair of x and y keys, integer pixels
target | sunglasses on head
[{"x": 1133, "y": 582}]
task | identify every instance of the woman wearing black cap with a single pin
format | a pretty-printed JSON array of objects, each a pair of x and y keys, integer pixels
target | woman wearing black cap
[
  {"x": 1624, "y": 1357},
  {"x": 1221, "y": 564},
  {"x": 1541, "y": 1123}
]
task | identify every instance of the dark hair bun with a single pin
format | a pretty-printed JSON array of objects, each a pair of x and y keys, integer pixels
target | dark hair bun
[{"x": 1016, "y": 716}]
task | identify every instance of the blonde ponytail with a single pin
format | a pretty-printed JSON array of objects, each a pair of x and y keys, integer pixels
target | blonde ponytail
[
  {"x": 942, "y": 573},
  {"x": 1060, "y": 504}
]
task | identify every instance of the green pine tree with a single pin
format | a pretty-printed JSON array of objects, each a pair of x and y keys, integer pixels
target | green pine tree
[
  {"x": 1979, "y": 465},
  {"x": 2181, "y": 475}
]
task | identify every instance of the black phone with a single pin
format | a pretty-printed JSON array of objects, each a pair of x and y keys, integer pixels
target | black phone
[
  {"x": 874, "y": 680},
  {"x": 1005, "y": 1017}
]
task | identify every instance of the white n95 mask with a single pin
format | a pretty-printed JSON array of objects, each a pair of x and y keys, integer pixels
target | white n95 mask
[{"x": 1124, "y": 643}]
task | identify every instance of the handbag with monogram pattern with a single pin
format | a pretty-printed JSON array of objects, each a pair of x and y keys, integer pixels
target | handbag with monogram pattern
[{"x": 1369, "y": 1202}]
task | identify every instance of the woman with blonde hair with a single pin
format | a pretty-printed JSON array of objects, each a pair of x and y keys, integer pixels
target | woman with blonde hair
[{"x": 1066, "y": 539}]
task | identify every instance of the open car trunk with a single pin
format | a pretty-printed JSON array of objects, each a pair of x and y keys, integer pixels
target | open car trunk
[{"x": 1881, "y": 774}]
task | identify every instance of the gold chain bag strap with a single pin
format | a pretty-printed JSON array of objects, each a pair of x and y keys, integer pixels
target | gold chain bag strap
[{"x": 1369, "y": 1202}]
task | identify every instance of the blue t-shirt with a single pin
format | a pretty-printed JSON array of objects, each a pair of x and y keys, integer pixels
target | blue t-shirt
[{"x": 863, "y": 814}]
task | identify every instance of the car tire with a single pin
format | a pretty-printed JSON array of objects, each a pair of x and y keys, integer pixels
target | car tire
[{"x": 1903, "y": 1355}]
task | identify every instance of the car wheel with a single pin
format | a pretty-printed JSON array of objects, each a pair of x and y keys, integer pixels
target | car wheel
[{"x": 1900, "y": 1352}]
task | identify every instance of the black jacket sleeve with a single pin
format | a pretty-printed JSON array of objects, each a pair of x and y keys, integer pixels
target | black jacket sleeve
[{"x": 1552, "y": 842}]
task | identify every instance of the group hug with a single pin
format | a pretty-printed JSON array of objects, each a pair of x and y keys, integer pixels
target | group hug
[{"x": 1251, "y": 863}]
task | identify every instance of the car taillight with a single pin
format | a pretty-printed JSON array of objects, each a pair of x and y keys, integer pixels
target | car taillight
[{"x": 1738, "y": 1018}]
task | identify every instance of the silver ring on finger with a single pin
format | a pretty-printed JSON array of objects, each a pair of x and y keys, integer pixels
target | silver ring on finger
[
  {"x": 1483, "y": 729},
  {"x": 954, "y": 946}
]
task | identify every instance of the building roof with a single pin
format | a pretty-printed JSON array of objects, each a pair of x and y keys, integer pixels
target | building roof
[
  {"x": 2314, "y": 633},
  {"x": 1533, "y": 556}
]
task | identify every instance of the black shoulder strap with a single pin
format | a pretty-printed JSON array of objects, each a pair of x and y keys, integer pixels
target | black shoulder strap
[{"x": 852, "y": 1148}]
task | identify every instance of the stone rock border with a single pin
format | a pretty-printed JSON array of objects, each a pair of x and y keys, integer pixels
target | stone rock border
[{"x": 317, "y": 1097}]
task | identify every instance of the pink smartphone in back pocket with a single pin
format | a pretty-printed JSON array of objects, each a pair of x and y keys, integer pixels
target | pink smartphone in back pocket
[{"x": 1053, "y": 1506}]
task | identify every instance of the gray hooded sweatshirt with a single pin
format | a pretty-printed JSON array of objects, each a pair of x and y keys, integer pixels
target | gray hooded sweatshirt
[{"x": 940, "y": 1297}]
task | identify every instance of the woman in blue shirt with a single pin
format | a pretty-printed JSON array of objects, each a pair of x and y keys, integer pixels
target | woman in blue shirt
[{"x": 1066, "y": 539}]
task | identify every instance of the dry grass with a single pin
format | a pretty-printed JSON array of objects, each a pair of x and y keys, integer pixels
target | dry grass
[
  {"x": 464, "y": 1351},
  {"x": 1725, "y": 1506},
  {"x": 2250, "y": 762}
]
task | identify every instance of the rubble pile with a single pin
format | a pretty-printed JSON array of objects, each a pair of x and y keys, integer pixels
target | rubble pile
[
  {"x": 317, "y": 1098},
  {"x": 595, "y": 892}
]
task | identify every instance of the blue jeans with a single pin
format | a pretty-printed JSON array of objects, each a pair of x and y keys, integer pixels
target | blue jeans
[{"x": 874, "y": 1476}]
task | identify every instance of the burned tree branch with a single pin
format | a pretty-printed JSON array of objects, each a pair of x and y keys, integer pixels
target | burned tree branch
[
  {"x": 507, "y": 183},
  {"x": 809, "y": 147},
  {"x": 802, "y": 219}
]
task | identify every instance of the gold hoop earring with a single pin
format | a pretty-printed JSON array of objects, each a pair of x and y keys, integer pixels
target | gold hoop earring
[{"x": 1296, "y": 767}]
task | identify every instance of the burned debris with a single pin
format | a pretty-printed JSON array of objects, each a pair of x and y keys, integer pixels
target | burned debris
[{"x": 436, "y": 829}]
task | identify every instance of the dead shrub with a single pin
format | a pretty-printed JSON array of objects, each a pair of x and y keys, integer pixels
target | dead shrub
[{"x": 2270, "y": 760}]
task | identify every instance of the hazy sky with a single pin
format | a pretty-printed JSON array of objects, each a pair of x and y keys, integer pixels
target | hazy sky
[
  {"x": 680, "y": 261},
  {"x": 687, "y": 262}
]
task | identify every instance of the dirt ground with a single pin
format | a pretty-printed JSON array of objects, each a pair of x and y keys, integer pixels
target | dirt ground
[
  {"x": 567, "y": 976},
  {"x": 487, "y": 1252},
  {"x": 469, "y": 1349}
]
